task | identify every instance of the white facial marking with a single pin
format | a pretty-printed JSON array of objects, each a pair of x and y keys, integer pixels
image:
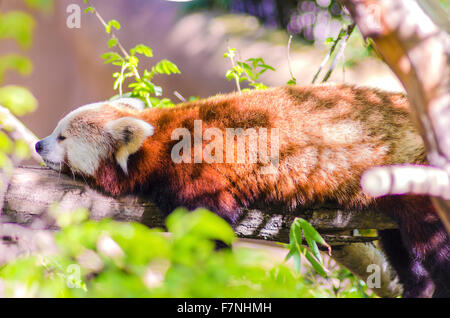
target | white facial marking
[
  {"x": 82, "y": 155},
  {"x": 81, "y": 143}
]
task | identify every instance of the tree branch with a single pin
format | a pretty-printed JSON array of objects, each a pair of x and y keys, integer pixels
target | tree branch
[
  {"x": 10, "y": 122},
  {"x": 33, "y": 190}
]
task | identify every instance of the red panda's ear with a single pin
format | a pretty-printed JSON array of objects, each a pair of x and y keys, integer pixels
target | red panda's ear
[{"x": 129, "y": 133}]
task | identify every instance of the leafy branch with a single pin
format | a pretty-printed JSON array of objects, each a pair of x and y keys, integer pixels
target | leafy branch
[
  {"x": 296, "y": 249},
  {"x": 249, "y": 70},
  {"x": 142, "y": 87}
]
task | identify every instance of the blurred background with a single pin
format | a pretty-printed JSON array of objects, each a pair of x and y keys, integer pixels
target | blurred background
[{"x": 68, "y": 70}]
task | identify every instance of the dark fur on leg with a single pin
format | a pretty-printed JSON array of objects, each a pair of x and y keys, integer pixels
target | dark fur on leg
[
  {"x": 426, "y": 240},
  {"x": 412, "y": 275},
  {"x": 436, "y": 259}
]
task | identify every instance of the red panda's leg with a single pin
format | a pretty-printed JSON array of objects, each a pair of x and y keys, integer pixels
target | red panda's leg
[
  {"x": 412, "y": 275},
  {"x": 425, "y": 238},
  {"x": 436, "y": 258}
]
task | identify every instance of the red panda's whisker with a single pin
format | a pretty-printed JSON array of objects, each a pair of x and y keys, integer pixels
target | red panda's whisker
[
  {"x": 85, "y": 182},
  {"x": 73, "y": 174}
]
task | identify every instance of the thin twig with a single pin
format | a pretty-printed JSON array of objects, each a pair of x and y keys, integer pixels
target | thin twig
[
  {"x": 233, "y": 64},
  {"x": 341, "y": 34},
  {"x": 289, "y": 57},
  {"x": 179, "y": 96},
  {"x": 339, "y": 53}
]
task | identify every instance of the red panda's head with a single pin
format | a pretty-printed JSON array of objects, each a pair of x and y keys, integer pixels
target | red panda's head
[{"x": 94, "y": 133}]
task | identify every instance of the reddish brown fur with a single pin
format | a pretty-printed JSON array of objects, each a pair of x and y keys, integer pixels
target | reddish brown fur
[
  {"x": 309, "y": 144},
  {"x": 329, "y": 135}
]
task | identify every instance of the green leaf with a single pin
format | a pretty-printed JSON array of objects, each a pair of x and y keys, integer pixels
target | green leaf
[
  {"x": 166, "y": 67},
  {"x": 315, "y": 264},
  {"x": 231, "y": 53},
  {"x": 21, "y": 150},
  {"x": 118, "y": 82},
  {"x": 19, "y": 26},
  {"x": 290, "y": 254},
  {"x": 111, "y": 57},
  {"x": 164, "y": 103},
  {"x": 17, "y": 99},
  {"x": 112, "y": 42},
  {"x": 142, "y": 49},
  {"x": 314, "y": 249},
  {"x": 134, "y": 61},
  {"x": 255, "y": 61},
  {"x": 312, "y": 234},
  {"x": 267, "y": 67},
  {"x": 248, "y": 70},
  {"x": 89, "y": 10},
  {"x": 112, "y": 24},
  {"x": 297, "y": 261},
  {"x": 65, "y": 219},
  {"x": 238, "y": 70},
  {"x": 200, "y": 223},
  {"x": 19, "y": 63},
  {"x": 292, "y": 81},
  {"x": 230, "y": 75},
  {"x": 6, "y": 145},
  {"x": 258, "y": 86},
  {"x": 329, "y": 40}
]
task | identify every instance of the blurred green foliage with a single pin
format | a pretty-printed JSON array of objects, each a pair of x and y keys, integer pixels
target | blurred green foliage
[
  {"x": 43, "y": 5},
  {"x": 112, "y": 259},
  {"x": 17, "y": 26},
  {"x": 17, "y": 99}
]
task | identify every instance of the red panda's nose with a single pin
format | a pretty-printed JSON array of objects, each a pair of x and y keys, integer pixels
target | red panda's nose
[{"x": 38, "y": 147}]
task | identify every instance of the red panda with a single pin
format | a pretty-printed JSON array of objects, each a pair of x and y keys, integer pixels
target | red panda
[{"x": 324, "y": 137}]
